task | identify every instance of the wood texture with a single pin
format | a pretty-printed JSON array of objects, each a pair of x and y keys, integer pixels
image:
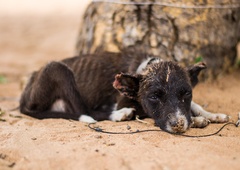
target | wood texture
[{"x": 183, "y": 33}]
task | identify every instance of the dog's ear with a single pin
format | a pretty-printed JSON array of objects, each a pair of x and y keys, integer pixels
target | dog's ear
[
  {"x": 127, "y": 85},
  {"x": 193, "y": 72}
]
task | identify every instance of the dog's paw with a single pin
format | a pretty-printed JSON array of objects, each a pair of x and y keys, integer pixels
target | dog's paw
[
  {"x": 218, "y": 118},
  {"x": 199, "y": 122},
  {"x": 86, "y": 119},
  {"x": 122, "y": 114}
]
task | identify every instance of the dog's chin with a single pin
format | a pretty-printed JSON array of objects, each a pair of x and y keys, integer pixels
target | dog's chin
[{"x": 174, "y": 129}]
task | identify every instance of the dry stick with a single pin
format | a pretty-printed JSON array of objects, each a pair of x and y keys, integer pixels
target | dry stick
[
  {"x": 238, "y": 122},
  {"x": 141, "y": 121}
]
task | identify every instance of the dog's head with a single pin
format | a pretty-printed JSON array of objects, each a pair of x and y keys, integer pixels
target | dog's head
[{"x": 164, "y": 89}]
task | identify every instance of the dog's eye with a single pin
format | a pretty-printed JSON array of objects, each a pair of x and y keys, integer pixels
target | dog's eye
[
  {"x": 156, "y": 96},
  {"x": 153, "y": 97},
  {"x": 187, "y": 94}
]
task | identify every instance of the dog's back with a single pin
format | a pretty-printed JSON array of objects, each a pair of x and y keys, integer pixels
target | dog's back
[
  {"x": 84, "y": 83},
  {"x": 94, "y": 75}
]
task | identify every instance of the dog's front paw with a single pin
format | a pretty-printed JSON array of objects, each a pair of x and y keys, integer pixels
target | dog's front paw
[
  {"x": 122, "y": 114},
  {"x": 86, "y": 119},
  {"x": 199, "y": 122},
  {"x": 218, "y": 118}
]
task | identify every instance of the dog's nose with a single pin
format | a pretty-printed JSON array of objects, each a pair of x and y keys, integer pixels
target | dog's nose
[
  {"x": 178, "y": 126},
  {"x": 177, "y": 123},
  {"x": 173, "y": 123}
]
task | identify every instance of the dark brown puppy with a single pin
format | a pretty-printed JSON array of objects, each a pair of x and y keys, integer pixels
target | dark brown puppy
[{"x": 84, "y": 88}]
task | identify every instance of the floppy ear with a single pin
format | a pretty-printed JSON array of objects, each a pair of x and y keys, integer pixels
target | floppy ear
[
  {"x": 127, "y": 85},
  {"x": 193, "y": 72}
]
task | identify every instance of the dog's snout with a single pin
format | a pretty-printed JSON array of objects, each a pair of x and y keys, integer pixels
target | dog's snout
[{"x": 178, "y": 125}]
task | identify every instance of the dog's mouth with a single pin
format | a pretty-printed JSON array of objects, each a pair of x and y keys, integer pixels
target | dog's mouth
[{"x": 179, "y": 126}]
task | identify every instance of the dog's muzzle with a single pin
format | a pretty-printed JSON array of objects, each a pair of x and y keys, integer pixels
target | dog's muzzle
[{"x": 178, "y": 124}]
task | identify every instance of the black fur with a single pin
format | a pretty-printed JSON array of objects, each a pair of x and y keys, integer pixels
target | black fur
[{"x": 87, "y": 85}]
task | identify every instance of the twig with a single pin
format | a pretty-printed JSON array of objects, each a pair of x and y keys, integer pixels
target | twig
[{"x": 141, "y": 121}]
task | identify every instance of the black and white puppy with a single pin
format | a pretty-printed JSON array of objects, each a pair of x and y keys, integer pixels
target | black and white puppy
[{"x": 84, "y": 88}]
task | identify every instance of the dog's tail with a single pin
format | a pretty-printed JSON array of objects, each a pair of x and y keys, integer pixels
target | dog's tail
[
  {"x": 49, "y": 114},
  {"x": 14, "y": 109}
]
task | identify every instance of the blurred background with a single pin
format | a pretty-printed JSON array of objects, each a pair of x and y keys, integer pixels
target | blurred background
[{"x": 33, "y": 32}]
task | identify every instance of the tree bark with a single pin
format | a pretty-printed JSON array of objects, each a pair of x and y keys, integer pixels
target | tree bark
[{"x": 184, "y": 30}]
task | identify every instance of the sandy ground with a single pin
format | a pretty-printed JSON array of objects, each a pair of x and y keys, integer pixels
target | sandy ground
[{"x": 37, "y": 33}]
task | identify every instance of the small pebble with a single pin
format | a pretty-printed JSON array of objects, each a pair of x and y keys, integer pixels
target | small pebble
[
  {"x": 110, "y": 144},
  {"x": 12, "y": 165},
  {"x": 98, "y": 136}
]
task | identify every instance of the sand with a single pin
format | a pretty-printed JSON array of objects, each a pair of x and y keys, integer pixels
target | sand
[{"x": 31, "y": 37}]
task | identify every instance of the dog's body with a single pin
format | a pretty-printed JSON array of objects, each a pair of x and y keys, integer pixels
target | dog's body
[{"x": 84, "y": 88}]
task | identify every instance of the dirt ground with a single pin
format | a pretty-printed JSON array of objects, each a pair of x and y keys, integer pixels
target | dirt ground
[{"x": 31, "y": 39}]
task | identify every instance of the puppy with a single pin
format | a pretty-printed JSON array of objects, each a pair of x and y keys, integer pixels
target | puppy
[{"x": 117, "y": 86}]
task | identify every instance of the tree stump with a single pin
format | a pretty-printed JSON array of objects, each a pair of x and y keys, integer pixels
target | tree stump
[{"x": 184, "y": 30}]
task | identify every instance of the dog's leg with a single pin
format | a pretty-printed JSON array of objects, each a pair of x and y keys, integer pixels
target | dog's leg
[
  {"x": 199, "y": 122},
  {"x": 121, "y": 114},
  {"x": 86, "y": 119},
  {"x": 202, "y": 117},
  {"x": 126, "y": 109},
  {"x": 53, "y": 83}
]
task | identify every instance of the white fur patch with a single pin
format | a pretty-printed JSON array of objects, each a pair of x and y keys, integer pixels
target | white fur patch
[
  {"x": 212, "y": 117},
  {"x": 143, "y": 65},
  {"x": 114, "y": 107},
  {"x": 168, "y": 127},
  {"x": 58, "y": 106},
  {"x": 122, "y": 114},
  {"x": 199, "y": 119},
  {"x": 199, "y": 122},
  {"x": 86, "y": 119}
]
